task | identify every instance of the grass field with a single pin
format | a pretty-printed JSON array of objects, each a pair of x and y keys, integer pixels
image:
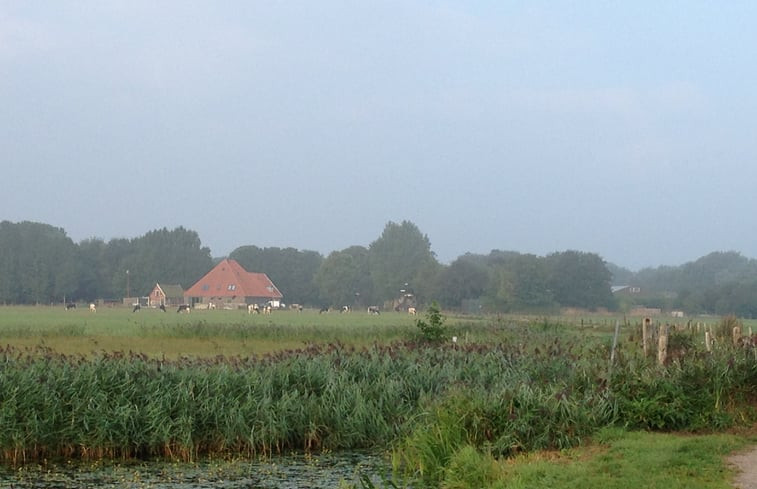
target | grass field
[
  {"x": 198, "y": 334},
  {"x": 204, "y": 333}
]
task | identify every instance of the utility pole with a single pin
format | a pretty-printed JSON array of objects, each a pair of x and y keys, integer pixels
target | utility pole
[{"x": 128, "y": 288}]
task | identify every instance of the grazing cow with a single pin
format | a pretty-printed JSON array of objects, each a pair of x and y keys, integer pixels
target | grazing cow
[
  {"x": 92, "y": 308},
  {"x": 373, "y": 310},
  {"x": 70, "y": 305},
  {"x": 346, "y": 309},
  {"x": 411, "y": 311},
  {"x": 323, "y": 309},
  {"x": 137, "y": 308},
  {"x": 163, "y": 307},
  {"x": 253, "y": 308},
  {"x": 183, "y": 308}
]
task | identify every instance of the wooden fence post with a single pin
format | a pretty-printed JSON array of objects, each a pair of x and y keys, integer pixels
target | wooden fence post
[
  {"x": 645, "y": 325},
  {"x": 662, "y": 345}
]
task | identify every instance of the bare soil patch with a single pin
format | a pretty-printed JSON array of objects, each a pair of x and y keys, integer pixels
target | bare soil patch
[{"x": 745, "y": 463}]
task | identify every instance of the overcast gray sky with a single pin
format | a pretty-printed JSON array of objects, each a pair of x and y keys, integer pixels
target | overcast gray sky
[{"x": 628, "y": 129}]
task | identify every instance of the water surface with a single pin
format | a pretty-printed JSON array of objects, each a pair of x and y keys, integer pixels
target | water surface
[{"x": 290, "y": 472}]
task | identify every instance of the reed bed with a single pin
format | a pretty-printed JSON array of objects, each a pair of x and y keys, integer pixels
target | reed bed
[{"x": 535, "y": 390}]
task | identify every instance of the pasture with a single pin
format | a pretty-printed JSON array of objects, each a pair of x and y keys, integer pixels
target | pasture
[{"x": 201, "y": 333}]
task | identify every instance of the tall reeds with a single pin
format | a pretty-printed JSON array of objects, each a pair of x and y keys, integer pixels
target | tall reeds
[{"x": 532, "y": 392}]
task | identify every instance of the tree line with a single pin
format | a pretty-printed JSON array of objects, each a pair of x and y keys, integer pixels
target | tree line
[
  {"x": 719, "y": 283},
  {"x": 40, "y": 264}
]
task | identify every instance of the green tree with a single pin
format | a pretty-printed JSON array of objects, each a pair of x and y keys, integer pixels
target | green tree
[
  {"x": 579, "y": 279},
  {"x": 344, "y": 278},
  {"x": 168, "y": 256},
  {"x": 93, "y": 281},
  {"x": 402, "y": 254},
  {"x": 531, "y": 289},
  {"x": 38, "y": 263},
  {"x": 462, "y": 279},
  {"x": 292, "y": 270}
]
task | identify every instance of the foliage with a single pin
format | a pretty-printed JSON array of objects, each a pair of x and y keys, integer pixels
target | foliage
[
  {"x": 400, "y": 255},
  {"x": 432, "y": 330},
  {"x": 463, "y": 279},
  {"x": 39, "y": 264},
  {"x": 292, "y": 270},
  {"x": 580, "y": 279},
  {"x": 344, "y": 278}
]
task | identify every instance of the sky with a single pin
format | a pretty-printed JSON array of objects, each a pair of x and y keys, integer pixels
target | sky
[{"x": 626, "y": 129}]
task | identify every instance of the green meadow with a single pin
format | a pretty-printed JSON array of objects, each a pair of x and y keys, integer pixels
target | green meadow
[{"x": 201, "y": 333}]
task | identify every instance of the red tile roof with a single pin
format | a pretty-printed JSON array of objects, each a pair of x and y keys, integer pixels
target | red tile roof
[{"x": 229, "y": 279}]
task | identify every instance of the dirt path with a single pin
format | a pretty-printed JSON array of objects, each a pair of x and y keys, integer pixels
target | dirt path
[{"x": 746, "y": 466}]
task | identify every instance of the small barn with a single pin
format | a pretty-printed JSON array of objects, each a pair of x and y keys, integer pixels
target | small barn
[
  {"x": 165, "y": 295},
  {"x": 228, "y": 285}
]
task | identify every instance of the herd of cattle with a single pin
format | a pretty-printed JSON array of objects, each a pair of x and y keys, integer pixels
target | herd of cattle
[{"x": 251, "y": 308}]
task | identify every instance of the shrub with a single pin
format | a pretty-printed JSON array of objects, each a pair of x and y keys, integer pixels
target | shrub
[{"x": 432, "y": 329}]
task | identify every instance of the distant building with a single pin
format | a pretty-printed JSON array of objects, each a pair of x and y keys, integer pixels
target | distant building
[
  {"x": 625, "y": 289},
  {"x": 645, "y": 311},
  {"x": 229, "y": 286},
  {"x": 166, "y": 295}
]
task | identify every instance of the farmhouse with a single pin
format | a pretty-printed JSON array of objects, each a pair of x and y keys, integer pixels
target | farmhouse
[
  {"x": 165, "y": 295},
  {"x": 230, "y": 286}
]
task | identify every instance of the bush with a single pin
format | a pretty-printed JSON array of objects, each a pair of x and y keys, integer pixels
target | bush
[{"x": 432, "y": 329}]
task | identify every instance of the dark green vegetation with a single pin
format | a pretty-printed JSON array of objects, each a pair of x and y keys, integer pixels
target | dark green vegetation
[
  {"x": 39, "y": 264},
  {"x": 720, "y": 283},
  {"x": 506, "y": 388}
]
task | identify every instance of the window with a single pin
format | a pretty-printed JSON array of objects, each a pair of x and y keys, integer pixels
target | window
[
  {"x": 205, "y": 288},
  {"x": 231, "y": 287}
]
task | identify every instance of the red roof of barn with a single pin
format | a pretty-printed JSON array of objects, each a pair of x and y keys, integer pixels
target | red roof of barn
[{"x": 229, "y": 279}]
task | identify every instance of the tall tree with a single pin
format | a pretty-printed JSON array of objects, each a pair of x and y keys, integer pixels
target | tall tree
[
  {"x": 38, "y": 263},
  {"x": 579, "y": 279},
  {"x": 171, "y": 257},
  {"x": 401, "y": 255},
  {"x": 463, "y": 279},
  {"x": 344, "y": 278}
]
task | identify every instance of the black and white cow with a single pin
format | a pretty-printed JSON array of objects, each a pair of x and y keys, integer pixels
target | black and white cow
[{"x": 183, "y": 308}]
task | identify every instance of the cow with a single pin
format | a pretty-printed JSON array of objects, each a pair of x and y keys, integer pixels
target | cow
[
  {"x": 211, "y": 306},
  {"x": 411, "y": 311},
  {"x": 267, "y": 309},
  {"x": 137, "y": 308},
  {"x": 373, "y": 310},
  {"x": 253, "y": 308},
  {"x": 346, "y": 309},
  {"x": 70, "y": 305},
  {"x": 323, "y": 309},
  {"x": 92, "y": 307},
  {"x": 183, "y": 308},
  {"x": 163, "y": 307}
]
